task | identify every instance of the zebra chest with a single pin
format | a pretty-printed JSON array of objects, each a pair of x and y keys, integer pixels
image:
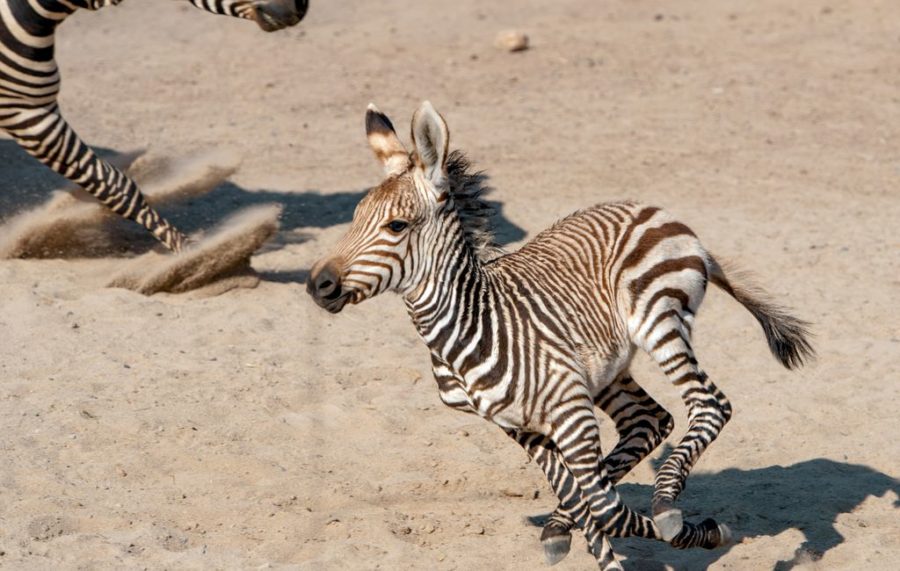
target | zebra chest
[{"x": 459, "y": 394}]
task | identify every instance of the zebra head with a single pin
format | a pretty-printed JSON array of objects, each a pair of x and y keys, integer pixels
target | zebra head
[{"x": 397, "y": 222}]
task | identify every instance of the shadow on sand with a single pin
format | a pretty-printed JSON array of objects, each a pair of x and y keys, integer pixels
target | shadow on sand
[{"x": 807, "y": 497}]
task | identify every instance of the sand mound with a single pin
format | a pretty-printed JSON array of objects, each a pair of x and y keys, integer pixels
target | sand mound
[
  {"x": 72, "y": 224},
  {"x": 218, "y": 262}
]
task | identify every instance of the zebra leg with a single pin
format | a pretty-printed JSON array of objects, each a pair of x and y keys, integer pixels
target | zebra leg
[
  {"x": 577, "y": 437},
  {"x": 556, "y": 537},
  {"x": 45, "y": 135},
  {"x": 708, "y": 411},
  {"x": 642, "y": 424},
  {"x": 576, "y": 433}
]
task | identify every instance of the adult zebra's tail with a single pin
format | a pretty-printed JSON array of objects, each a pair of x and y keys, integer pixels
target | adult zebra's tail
[{"x": 787, "y": 335}]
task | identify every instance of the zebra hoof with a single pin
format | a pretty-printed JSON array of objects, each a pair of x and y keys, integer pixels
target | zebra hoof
[
  {"x": 556, "y": 542},
  {"x": 725, "y": 535},
  {"x": 556, "y": 548},
  {"x": 669, "y": 523}
]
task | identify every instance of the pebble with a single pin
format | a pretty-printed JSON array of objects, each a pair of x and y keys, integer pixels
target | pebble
[{"x": 512, "y": 41}]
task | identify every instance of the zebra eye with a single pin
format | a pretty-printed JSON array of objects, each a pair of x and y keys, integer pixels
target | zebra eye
[{"x": 397, "y": 226}]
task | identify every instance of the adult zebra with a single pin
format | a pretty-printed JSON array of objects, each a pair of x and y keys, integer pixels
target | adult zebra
[
  {"x": 29, "y": 85},
  {"x": 533, "y": 340}
]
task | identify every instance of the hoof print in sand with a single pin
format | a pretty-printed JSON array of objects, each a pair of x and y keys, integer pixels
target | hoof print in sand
[{"x": 49, "y": 527}]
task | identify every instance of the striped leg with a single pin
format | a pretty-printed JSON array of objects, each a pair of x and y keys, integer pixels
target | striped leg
[
  {"x": 556, "y": 538},
  {"x": 576, "y": 434},
  {"x": 708, "y": 411},
  {"x": 46, "y": 135},
  {"x": 642, "y": 424},
  {"x": 577, "y": 437}
]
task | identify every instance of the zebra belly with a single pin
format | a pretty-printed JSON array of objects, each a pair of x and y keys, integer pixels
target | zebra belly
[{"x": 601, "y": 371}]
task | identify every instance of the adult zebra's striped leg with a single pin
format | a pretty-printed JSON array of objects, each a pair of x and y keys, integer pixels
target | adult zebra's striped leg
[
  {"x": 708, "y": 411},
  {"x": 45, "y": 134},
  {"x": 556, "y": 537},
  {"x": 642, "y": 424}
]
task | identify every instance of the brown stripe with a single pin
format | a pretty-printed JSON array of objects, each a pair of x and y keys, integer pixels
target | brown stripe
[
  {"x": 640, "y": 284},
  {"x": 643, "y": 216},
  {"x": 677, "y": 294},
  {"x": 651, "y": 238},
  {"x": 670, "y": 336}
]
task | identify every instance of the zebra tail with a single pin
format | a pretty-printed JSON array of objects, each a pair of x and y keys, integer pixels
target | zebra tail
[{"x": 788, "y": 336}]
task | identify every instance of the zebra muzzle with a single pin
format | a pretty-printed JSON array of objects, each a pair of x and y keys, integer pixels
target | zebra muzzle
[{"x": 324, "y": 285}]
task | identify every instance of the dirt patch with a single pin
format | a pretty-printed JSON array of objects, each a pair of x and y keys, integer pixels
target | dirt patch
[{"x": 46, "y": 528}]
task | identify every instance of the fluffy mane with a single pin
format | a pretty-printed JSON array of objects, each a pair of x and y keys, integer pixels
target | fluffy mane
[{"x": 468, "y": 188}]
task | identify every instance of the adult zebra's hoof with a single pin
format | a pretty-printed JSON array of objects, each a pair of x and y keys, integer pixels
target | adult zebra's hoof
[
  {"x": 556, "y": 541},
  {"x": 670, "y": 523},
  {"x": 725, "y": 535}
]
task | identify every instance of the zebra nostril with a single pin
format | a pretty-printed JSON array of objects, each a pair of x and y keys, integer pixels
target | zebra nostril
[
  {"x": 327, "y": 289},
  {"x": 326, "y": 285}
]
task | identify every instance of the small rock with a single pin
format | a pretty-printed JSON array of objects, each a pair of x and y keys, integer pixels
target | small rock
[{"x": 512, "y": 41}]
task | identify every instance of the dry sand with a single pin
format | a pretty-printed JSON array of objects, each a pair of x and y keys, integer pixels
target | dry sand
[{"x": 253, "y": 429}]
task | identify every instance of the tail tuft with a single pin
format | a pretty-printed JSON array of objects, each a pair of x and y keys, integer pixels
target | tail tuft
[{"x": 788, "y": 336}]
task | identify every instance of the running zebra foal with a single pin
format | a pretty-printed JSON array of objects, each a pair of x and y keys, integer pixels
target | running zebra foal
[
  {"x": 29, "y": 85},
  {"x": 535, "y": 339}
]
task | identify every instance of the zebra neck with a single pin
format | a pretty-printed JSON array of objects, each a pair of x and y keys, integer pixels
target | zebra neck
[{"x": 449, "y": 310}]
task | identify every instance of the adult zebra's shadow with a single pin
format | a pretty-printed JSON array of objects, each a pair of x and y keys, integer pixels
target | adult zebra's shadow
[
  {"x": 192, "y": 192},
  {"x": 808, "y": 496},
  {"x": 25, "y": 185}
]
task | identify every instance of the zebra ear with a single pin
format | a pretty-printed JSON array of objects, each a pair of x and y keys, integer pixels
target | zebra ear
[
  {"x": 385, "y": 143},
  {"x": 431, "y": 139}
]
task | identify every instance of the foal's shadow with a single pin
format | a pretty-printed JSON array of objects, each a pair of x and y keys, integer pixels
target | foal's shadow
[{"x": 808, "y": 497}]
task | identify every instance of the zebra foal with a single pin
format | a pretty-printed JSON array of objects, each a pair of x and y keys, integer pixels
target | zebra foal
[
  {"x": 30, "y": 82},
  {"x": 535, "y": 339}
]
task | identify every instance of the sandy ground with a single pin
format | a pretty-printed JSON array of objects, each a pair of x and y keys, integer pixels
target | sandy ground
[{"x": 253, "y": 430}]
